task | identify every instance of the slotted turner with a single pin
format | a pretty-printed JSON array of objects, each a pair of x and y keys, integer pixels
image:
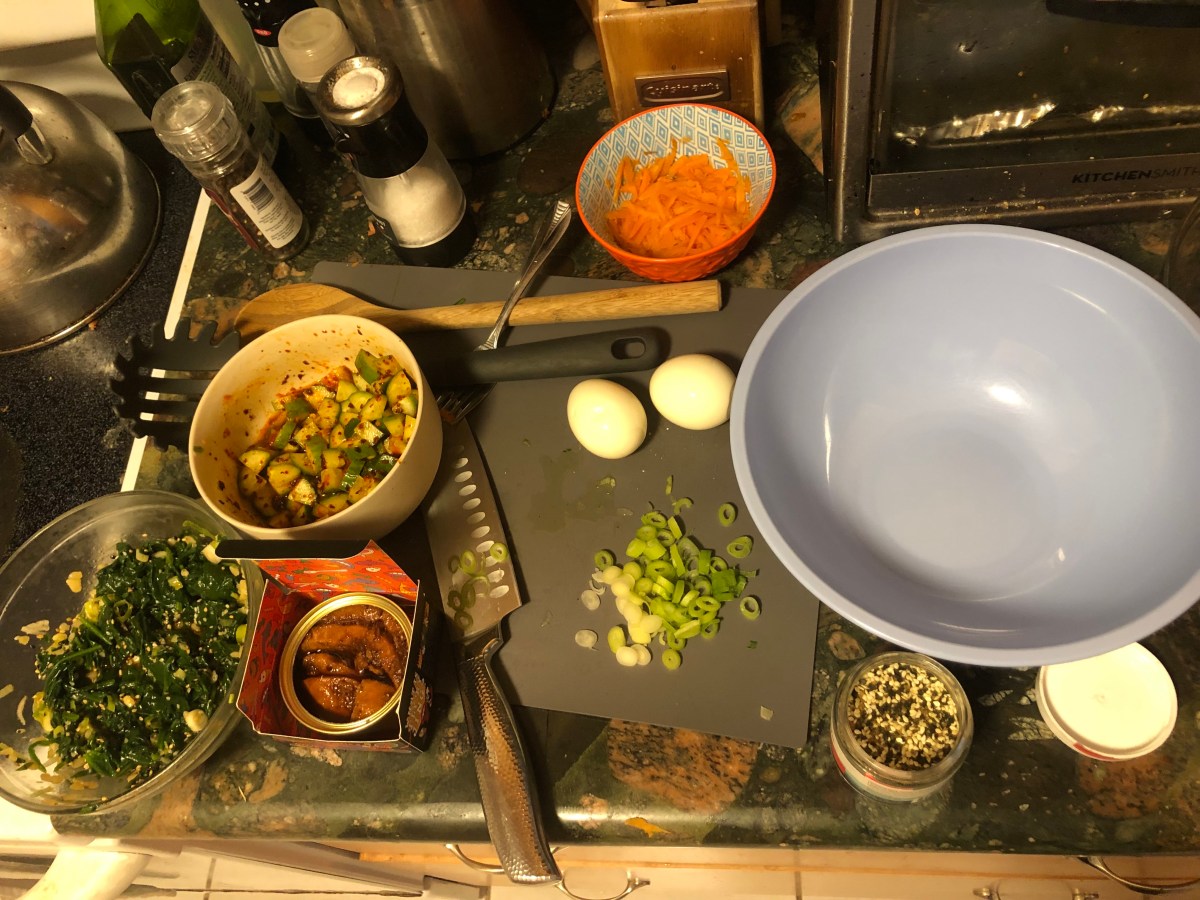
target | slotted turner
[{"x": 159, "y": 384}]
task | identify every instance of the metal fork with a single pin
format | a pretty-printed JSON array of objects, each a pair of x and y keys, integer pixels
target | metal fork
[{"x": 455, "y": 404}]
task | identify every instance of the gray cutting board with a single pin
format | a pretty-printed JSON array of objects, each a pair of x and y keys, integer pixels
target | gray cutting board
[{"x": 561, "y": 505}]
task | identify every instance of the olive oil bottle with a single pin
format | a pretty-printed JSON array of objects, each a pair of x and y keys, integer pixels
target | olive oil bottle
[{"x": 152, "y": 45}]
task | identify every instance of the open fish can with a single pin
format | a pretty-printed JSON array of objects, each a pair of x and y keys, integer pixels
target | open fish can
[{"x": 343, "y": 665}]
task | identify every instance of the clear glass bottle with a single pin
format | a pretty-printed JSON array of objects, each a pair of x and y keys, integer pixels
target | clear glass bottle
[
  {"x": 198, "y": 125},
  {"x": 152, "y": 46},
  {"x": 266, "y": 18},
  {"x": 884, "y": 678}
]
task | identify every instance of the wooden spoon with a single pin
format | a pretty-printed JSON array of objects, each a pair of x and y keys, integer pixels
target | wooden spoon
[{"x": 297, "y": 301}]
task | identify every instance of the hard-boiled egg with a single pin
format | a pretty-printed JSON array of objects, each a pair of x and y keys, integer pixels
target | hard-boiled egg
[
  {"x": 606, "y": 418},
  {"x": 693, "y": 391}
]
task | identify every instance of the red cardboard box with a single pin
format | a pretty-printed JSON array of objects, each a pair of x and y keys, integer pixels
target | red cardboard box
[{"x": 295, "y": 586}]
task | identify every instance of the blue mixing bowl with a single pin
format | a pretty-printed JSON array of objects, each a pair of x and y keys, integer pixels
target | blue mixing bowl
[{"x": 981, "y": 443}]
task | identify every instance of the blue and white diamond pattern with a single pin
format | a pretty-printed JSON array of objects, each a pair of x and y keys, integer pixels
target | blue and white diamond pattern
[{"x": 696, "y": 128}]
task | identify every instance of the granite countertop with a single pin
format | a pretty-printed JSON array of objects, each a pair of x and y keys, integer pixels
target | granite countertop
[{"x": 618, "y": 782}]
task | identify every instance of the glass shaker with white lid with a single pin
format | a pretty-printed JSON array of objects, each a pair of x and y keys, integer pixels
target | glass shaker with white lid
[{"x": 412, "y": 192}]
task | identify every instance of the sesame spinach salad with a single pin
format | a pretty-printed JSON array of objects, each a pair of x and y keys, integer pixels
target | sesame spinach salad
[{"x": 132, "y": 677}]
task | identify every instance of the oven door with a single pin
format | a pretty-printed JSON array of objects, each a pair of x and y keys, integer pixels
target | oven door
[{"x": 1011, "y": 110}]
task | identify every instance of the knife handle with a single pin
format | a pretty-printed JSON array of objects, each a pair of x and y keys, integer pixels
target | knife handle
[
  {"x": 505, "y": 780},
  {"x": 600, "y": 353}
]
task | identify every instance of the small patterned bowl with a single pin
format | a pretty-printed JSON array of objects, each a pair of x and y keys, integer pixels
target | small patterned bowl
[{"x": 647, "y": 135}]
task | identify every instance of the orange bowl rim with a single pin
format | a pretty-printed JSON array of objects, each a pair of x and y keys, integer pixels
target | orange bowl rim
[{"x": 619, "y": 252}]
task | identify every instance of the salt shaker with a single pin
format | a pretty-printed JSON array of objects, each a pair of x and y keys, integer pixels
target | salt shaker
[
  {"x": 197, "y": 124},
  {"x": 414, "y": 197}
]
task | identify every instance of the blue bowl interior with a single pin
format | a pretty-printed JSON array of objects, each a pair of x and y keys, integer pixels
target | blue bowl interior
[{"x": 979, "y": 442}]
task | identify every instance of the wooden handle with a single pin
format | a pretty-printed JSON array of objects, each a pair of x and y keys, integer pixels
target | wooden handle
[{"x": 298, "y": 301}]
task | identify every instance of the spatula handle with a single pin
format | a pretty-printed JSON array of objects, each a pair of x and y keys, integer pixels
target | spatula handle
[
  {"x": 296, "y": 301},
  {"x": 502, "y": 766},
  {"x": 599, "y": 353}
]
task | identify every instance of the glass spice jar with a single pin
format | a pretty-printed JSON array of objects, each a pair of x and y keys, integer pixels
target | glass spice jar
[
  {"x": 198, "y": 125},
  {"x": 901, "y": 726}
]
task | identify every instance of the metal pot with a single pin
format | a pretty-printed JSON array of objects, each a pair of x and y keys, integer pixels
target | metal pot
[
  {"x": 474, "y": 72},
  {"x": 78, "y": 216}
]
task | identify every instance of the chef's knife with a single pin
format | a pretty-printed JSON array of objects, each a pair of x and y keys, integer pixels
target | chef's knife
[{"x": 463, "y": 524}]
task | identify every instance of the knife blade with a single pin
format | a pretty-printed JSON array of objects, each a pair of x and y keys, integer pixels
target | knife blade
[{"x": 463, "y": 523}]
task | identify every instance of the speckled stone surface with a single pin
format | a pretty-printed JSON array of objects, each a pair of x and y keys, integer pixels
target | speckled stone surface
[{"x": 614, "y": 782}]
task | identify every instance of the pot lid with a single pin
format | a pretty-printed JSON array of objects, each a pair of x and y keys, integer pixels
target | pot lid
[{"x": 78, "y": 216}]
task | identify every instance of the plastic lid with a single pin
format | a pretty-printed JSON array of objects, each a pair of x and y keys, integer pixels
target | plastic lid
[
  {"x": 312, "y": 42},
  {"x": 1117, "y": 705},
  {"x": 195, "y": 121}
]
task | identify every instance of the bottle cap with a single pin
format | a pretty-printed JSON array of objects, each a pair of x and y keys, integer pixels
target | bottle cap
[
  {"x": 195, "y": 121},
  {"x": 1118, "y": 705},
  {"x": 312, "y": 42}
]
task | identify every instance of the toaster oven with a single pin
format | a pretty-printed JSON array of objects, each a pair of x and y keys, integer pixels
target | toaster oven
[{"x": 1034, "y": 112}]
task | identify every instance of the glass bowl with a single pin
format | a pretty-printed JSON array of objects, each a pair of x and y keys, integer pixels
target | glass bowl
[
  {"x": 884, "y": 678},
  {"x": 33, "y": 587}
]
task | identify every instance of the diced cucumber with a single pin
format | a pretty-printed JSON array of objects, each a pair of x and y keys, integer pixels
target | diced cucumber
[
  {"x": 255, "y": 459},
  {"x": 393, "y": 424},
  {"x": 368, "y": 366},
  {"x": 337, "y": 437},
  {"x": 249, "y": 480},
  {"x": 280, "y": 520},
  {"x": 363, "y": 485},
  {"x": 353, "y": 405},
  {"x": 301, "y": 460},
  {"x": 344, "y": 389},
  {"x": 330, "y": 480},
  {"x": 317, "y": 394},
  {"x": 398, "y": 388},
  {"x": 410, "y": 425},
  {"x": 330, "y": 504},
  {"x": 302, "y": 435},
  {"x": 303, "y": 492},
  {"x": 283, "y": 474},
  {"x": 367, "y": 433},
  {"x": 395, "y": 444},
  {"x": 327, "y": 413},
  {"x": 373, "y": 409},
  {"x": 408, "y": 405}
]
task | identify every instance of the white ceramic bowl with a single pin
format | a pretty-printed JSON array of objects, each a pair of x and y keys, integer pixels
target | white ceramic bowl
[{"x": 236, "y": 405}]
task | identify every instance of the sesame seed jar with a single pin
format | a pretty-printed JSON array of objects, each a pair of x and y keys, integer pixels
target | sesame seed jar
[{"x": 901, "y": 726}]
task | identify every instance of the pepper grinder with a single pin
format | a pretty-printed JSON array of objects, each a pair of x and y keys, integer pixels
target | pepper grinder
[{"x": 414, "y": 197}]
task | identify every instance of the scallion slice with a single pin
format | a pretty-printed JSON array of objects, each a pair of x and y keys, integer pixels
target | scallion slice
[
  {"x": 750, "y": 607},
  {"x": 726, "y": 514},
  {"x": 739, "y": 548}
]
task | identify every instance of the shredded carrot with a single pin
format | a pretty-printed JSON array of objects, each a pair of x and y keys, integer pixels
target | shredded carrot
[{"x": 678, "y": 204}]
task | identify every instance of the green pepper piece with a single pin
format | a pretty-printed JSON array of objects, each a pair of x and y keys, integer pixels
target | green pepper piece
[
  {"x": 285, "y": 435},
  {"x": 297, "y": 408},
  {"x": 352, "y": 472}
]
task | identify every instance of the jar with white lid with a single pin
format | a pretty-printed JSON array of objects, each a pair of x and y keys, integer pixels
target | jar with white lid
[
  {"x": 901, "y": 726},
  {"x": 1115, "y": 706}
]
